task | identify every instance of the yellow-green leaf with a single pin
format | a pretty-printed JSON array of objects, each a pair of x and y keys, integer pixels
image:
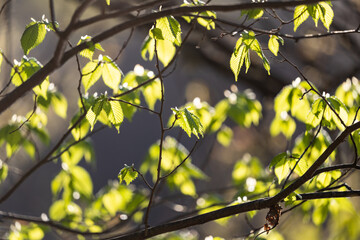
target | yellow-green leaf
[
  {"x": 300, "y": 15},
  {"x": 111, "y": 73},
  {"x": 33, "y": 35},
  {"x": 91, "y": 74},
  {"x": 170, "y": 29},
  {"x": 127, "y": 174}
]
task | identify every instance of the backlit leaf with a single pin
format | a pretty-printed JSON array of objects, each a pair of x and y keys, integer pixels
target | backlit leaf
[
  {"x": 33, "y": 35},
  {"x": 116, "y": 115},
  {"x": 91, "y": 74},
  {"x": 300, "y": 15},
  {"x": 254, "y": 13},
  {"x": 127, "y": 174},
  {"x": 81, "y": 181},
  {"x": 326, "y": 14},
  {"x": 274, "y": 45},
  {"x": 111, "y": 73},
  {"x": 170, "y": 28},
  {"x": 189, "y": 122},
  {"x": 3, "y": 171},
  {"x": 224, "y": 136}
]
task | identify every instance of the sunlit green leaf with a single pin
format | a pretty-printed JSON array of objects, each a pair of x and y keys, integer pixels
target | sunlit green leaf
[
  {"x": 3, "y": 171},
  {"x": 274, "y": 45},
  {"x": 166, "y": 51},
  {"x": 283, "y": 123},
  {"x": 170, "y": 28},
  {"x": 33, "y": 35},
  {"x": 89, "y": 52},
  {"x": 281, "y": 164},
  {"x": 127, "y": 174},
  {"x": 59, "y": 104},
  {"x": 152, "y": 93},
  {"x": 94, "y": 111},
  {"x": 224, "y": 136},
  {"x": 111, "y": 73},
  {"x": 316, "y": 114},
  {"x": 116, "y": 115},
  {"x": 300, "y": 15},
  {"x": 189, "y": 122},
  {"x": 91, "y": 74},
  {"x": 254, "y": 13},
  {"x": 81, "y": 181}
]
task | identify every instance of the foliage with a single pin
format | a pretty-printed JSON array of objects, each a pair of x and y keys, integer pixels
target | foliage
[{"x": 312, "y": 123}]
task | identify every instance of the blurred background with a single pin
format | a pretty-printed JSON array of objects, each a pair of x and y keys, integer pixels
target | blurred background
[{"x": 201, "y": 70}]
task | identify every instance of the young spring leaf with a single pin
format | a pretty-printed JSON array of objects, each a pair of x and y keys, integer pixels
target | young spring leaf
[
  {"x": 300, "y": 15},
  {"x": 189, "y": 122},
  {"x": 23, "y": 70},
  {"x": 241, "y": 53},
  {"x": 111, "y": 73},
  {"x": 33, "y": 35},
  {"x": 316, "y": 114},
  {"x": 127, "y": 174},
  {"x": 326, "y": 14},
  {"x": 170, "y": 29},
  {"x": 274, "y": 45},
  {"x": 91, "y": 74},
  {"x": 95, "y": 111},
  {"x": 115, "y": 114},
  {"x": 254, "y": 13},
  {"x": 281, "y": 164},
  {"x": 3, "y": 171},
  {"x": 89, "y": 52},
  {"x": 224, "y": 136}
]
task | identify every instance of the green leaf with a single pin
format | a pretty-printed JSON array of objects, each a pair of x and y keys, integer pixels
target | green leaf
[
  {"x": 111, "y": 73},
  {"x": 274, "y": 45},
  {"x": 237, "y": 59},
  {"x": 189, "y": 122},
  {"x": 3, "y": 171},
  {"x": 148, "y": 48},
  {"x": 33, "y": 35},
  {"x": 94, "y": 111},
  {"x": 111, "y": 201},
  {"x": 300, "y": 15},
  {"x": 59, "y": 104},
  {"x": 89, "y": 52},
  {"x": 24, "y": 70},
  {"x": 91, "y": 73},
  {"x": 316, "y": 114},
  {"x": 283, "y": 123},
  {"x": 81, "y": 181},
  {"x": 326, "y": 14},
  {"x": 241, "y": 53},
  {"x": 57, "y": 210},
  {"x": 224, "y": 136},
  {"x": 254, "y": 13},
  {"x": 116, "y": 115},
  {"x": 166, "y": 51},
  {"x": 152, "y": 93},
  {"x": 170, "y": 28},
  {"x": 281, "y": 164},
  {"x": 156, "y": 33},
  {"x": 127, "y": 174}
]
